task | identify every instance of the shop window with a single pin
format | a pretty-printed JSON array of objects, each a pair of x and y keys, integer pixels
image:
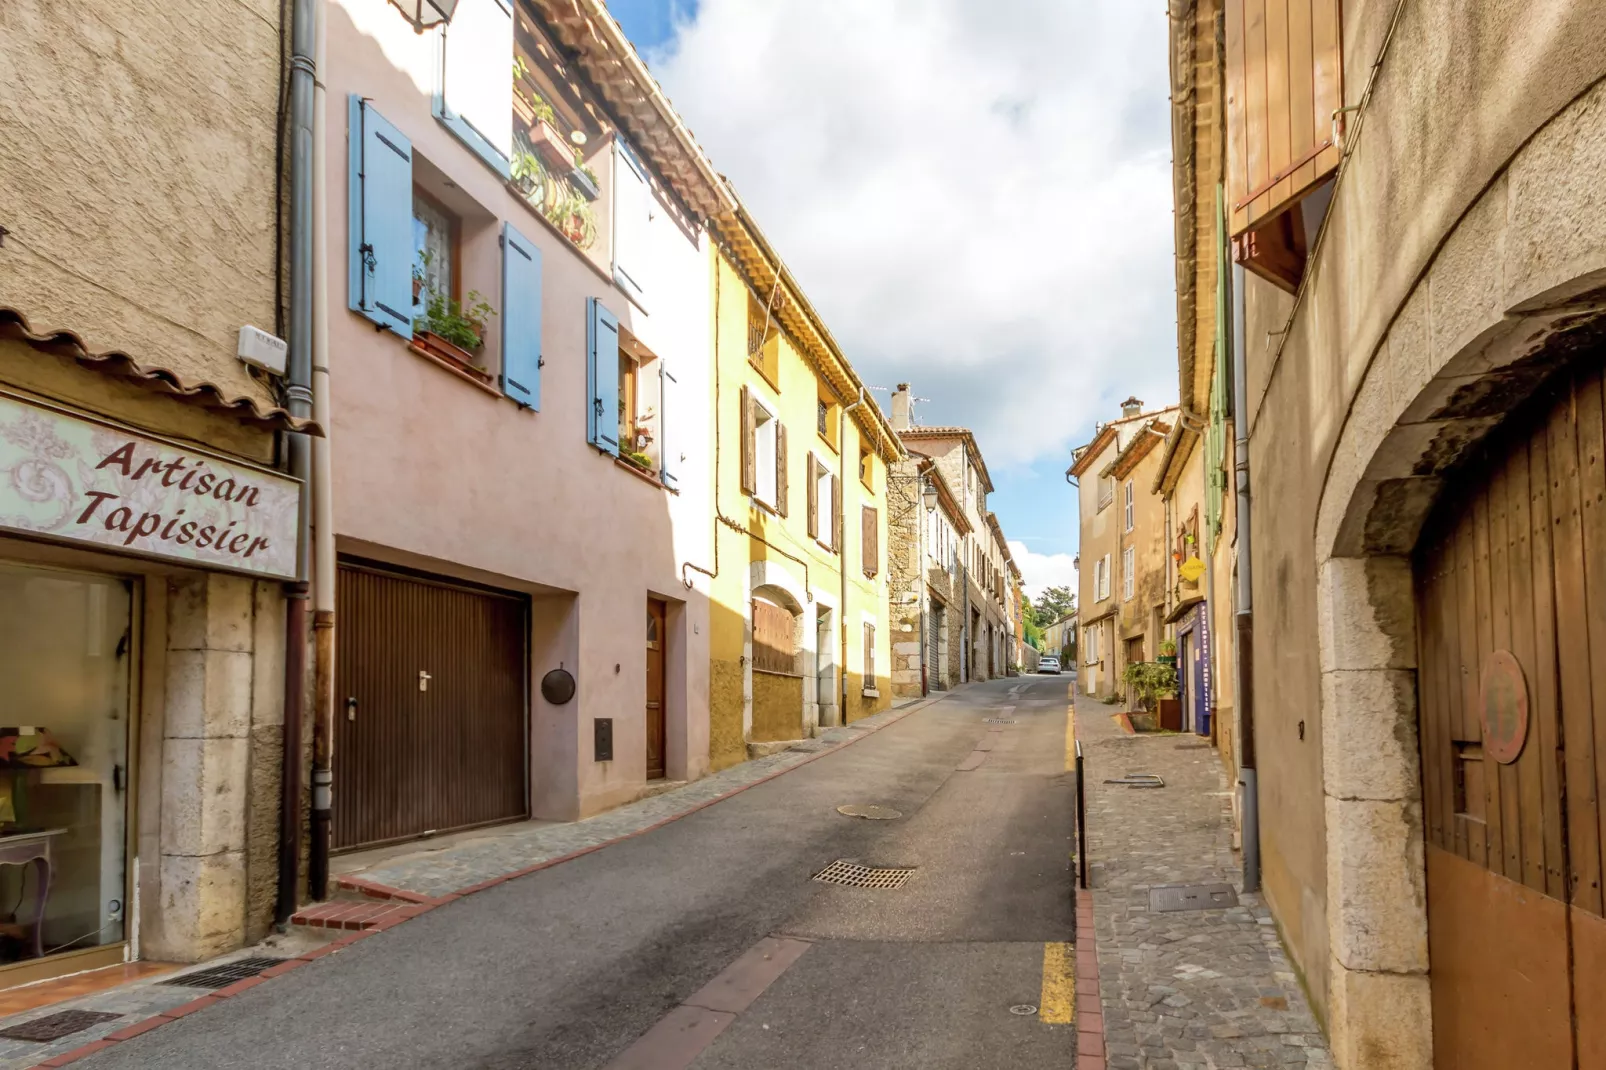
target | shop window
[{"x": 65, "y": 642}]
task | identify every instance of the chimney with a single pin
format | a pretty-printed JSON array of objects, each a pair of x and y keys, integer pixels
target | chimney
[
  {"x": 1130, "y": 408},
  {"x": 902, "y": 408}
]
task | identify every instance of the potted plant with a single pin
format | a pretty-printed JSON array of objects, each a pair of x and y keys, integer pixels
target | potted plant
[
  {"x": 583, "y": 179},
  {"x": 1151, "y": 682},
  {"x": 1168, "y": 653},
  {"x": 454, "y": 331},
  {"x": 638, "y": 459}
]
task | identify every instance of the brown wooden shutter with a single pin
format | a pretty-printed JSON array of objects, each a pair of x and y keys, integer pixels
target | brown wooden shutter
[
  {"x": 814, "y": 497},
  {"x": 1284, "y": 86},
  {"x": 870, "y": 544},
  {"x": 749, "y": 472},
  {"x": 836, "y": 513},
  {"x": 780, "y": 468}
]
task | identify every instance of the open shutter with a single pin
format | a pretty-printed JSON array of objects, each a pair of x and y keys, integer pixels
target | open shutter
[
  {"x": 780, "y": 469},
  {"x": 521, "y": 318},
  {"x": 870, "y": 546},
  {"x": 749, "y": 469},
  {"x": 381, "y": 220},
  {"x": 836, "y": 513},
  {"x": 602, "y": 378},
  {"x": 475, "y": 100},
  {"x": 814, "y": 497},
  {"x": 669, "y": 431},
  {"x": 632, "y": 214}
]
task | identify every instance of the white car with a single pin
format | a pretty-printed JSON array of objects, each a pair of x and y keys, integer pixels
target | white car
[{"x": 1048, "y": 664}]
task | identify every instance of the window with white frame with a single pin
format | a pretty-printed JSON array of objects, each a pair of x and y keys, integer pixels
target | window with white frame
[
  {"x": 1106, "y": 491},
  {"x": 1092, "y": 644},
  {"x": 825, "y": 499},
  {"x": 1130, "y": 505},
  {"x": 1129, "y": 558},
  {"x": 765, "y": 472},
  {"x": 1101, "y": 578}
]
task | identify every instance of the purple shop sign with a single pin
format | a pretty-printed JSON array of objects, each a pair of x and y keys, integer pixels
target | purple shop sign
[{"x": 76, "y": 479}]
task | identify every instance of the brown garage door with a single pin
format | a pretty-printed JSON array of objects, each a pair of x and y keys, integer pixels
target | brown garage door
[
  {"x": 1511, "y": 611},
  {"x": 430, "y": 718}
]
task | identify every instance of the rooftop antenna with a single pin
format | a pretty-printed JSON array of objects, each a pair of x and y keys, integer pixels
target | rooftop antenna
[{"x": 912, "y": 400}]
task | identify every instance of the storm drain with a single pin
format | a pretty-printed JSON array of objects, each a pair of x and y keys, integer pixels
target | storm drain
[
  {"x": 874, "y": 813},
  {"x": 223, "y": 976},
  {"x": 853, "y": 875},
  {"x": 1192, "y": 897},
  {"x": 58, "y": 1025},
  {"x": 1000, "y": 720}
]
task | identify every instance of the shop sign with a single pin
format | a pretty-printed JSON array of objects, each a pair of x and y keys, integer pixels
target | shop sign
[{"x": 67, "y": 477}]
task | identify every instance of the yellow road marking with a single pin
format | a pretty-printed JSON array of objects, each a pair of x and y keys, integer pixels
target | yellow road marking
[
  {"x": 1058, "y": 1002},
  {"x": 1070, "y": 730}
]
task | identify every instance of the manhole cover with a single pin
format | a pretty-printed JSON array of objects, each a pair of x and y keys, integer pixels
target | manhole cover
[
  {"x": 1023, "y": 1008},
  {"x": 223, "y": 976},
  {"x": 874, "y": 813},
  {"x": 1192, "y": 897},
  {"x": 853, "y": 875},
  {"x": 58, "y": 1025},
  {"x": 1000, "y": 720}
]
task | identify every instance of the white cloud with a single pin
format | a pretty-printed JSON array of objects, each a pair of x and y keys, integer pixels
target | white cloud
[
  {"x": 1043, "y": 570},
  {"x": 975, "y": 193}
]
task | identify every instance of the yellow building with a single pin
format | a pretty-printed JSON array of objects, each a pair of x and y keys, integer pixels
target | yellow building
[{"x": 798, "y": 631}]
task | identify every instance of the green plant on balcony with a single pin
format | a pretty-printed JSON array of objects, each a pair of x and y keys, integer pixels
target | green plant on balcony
[{"x": 531, "y": 99}]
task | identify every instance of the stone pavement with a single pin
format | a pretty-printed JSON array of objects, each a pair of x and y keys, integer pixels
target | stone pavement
[
  {"x": 1181, "y": 990},
  {"x": 464, "y": 863}
]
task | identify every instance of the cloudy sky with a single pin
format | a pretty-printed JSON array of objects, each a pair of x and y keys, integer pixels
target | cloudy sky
[{"x": 974, "y": 193}]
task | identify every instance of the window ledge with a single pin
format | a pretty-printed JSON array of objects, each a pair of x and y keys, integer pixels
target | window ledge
[
  {"x": 645, "y": 477},
  {"x": 763, "y": 373},
  {"x": 828, "y": 443},
  {"x": 489, "y": 388}
]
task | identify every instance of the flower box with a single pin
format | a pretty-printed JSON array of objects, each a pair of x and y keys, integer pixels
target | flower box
[
  {"x": 584, "y": 184},
  {"x": 551, "y": 146},
  {"x": 452, "y": 354}
]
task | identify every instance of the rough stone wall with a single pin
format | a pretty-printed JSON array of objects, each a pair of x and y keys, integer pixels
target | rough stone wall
[
  {"x": 139, "y": 176},
  {"x": 904, "y": 561}
]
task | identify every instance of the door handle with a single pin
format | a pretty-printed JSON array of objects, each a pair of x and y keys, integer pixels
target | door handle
[
  {"x": 423, "y": 680},
  {"x": 351, "y": 708}
]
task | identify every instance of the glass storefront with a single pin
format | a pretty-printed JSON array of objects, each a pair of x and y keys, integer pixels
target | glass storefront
[{"x": 66, "y": 645}]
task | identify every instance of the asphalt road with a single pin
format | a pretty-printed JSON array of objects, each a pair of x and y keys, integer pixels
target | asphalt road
[{"x": 566, "y": 968}]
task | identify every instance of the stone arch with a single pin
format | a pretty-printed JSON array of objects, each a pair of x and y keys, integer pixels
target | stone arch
[
  {"x": 775, "y": 582},
  {"x": 1449, "y": 370}
]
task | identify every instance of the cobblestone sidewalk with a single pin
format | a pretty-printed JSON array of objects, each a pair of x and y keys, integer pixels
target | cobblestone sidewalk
[{"x": 1181, "y": 990}]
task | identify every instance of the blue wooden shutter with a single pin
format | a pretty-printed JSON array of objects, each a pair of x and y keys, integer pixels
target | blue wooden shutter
[
  {"x": 521, "y": 318},
  {"x": 381, "y": 220},
  {"x": 602, "y": 377},
  {"x": 669, "y": 436}
]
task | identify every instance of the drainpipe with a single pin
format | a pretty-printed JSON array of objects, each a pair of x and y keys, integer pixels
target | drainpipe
[
  {"x": 299, "y": 397},
  {"x": 922, "y": 602},
  {"x": 323, "y": 510},
  {"x": 842, "y": 570},
  {"x": 1245, "y": 601}
]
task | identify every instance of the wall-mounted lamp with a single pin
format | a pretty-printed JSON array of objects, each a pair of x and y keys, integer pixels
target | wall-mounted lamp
[
  {"x": 930, "y": 497},
  {"x": 424, "y": 14}
]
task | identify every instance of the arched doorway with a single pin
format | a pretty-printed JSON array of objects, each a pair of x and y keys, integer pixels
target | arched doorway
[{"x": 1510, "y": 580}]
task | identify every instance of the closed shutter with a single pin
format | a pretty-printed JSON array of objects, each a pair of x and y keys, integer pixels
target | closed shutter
[
  {"x": 602, "y": 377},
  {"x": 632, "y": 215},
  {"x": 670, "y": 433},
  {"x": 1284, "y": 88},
  {"x": 475, "y": 100},
  {"x": 381, "y": 220},
  {"x": 780, "y": 469},
  {"x": 836, "y": 513},
  {"x": 521, "y": 318},
  {"x": 870, "y": 546},
  {"x": 814, "y": 497},
  {"x": 749, "y": 447},
  {"x": 774, "y": 643}
]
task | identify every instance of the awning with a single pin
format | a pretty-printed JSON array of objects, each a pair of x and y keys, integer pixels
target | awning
[
  {"x": 1182, "y": 608},
  {"x": 13, "y": 325}
]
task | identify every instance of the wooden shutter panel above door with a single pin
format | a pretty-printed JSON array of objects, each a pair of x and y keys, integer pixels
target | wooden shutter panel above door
[
  {"x": 381, "y": 220},
  {"x": 521, "y": 318},
  {"x": 749, "y": 470},
  {"x": 1284, "y": 88}
]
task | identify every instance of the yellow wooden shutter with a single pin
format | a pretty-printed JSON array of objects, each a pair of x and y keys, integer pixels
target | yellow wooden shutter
[{"x": 1284, "y": 88}]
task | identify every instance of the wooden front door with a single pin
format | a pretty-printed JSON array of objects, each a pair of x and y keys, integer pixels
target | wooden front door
[
  {"x": 655, "y": 688},
  {"x": 1511, "y": 615},
  {"x": 430, "y": 701}
]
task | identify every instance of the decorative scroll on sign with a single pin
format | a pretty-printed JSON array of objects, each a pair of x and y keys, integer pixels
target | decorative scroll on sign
[
  {"x": 1503, "y": 707},
  {"x": 66, "y": 477}
]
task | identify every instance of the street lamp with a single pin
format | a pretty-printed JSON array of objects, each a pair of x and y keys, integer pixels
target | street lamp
[
  {"x": 930, "y": 497},
  {"x": 424, "y": 14}
]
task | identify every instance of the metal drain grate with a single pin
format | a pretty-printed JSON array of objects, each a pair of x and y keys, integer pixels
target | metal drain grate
[
  {"x": 853, "y": 875},
  {"x": 223, "y": 976},
  {"x": 58, "y": 1025},
  {"x": 1000, "y": 720},
  {"x": 1192, "y": 897}
]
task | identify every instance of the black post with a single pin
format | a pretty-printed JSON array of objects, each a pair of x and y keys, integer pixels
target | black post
[{"x": 1081, "y": 817}]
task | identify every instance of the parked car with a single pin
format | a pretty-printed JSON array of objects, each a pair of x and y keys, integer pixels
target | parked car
[{"x": 1048, "y": 664}]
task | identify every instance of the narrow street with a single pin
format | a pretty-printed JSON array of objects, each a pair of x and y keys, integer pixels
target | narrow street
[{"x": 965, "y": 966}]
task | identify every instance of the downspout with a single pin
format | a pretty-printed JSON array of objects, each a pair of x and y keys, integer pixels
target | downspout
[
  {"x": 842, "y": 567},
  {"x": 299, "y": 399},
  {"x": 323, "y": 510},
  {"x": 1245, "y": 601},
  {"x": 920, "y": 579}
]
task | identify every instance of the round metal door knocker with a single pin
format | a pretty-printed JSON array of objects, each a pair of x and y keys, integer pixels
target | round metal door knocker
[
  {"x": 1503, "y": 707},
  {"x": 557, "y": 686}
]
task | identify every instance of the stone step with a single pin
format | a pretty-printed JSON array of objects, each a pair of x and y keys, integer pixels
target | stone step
[{"x": 354, "y": 914}]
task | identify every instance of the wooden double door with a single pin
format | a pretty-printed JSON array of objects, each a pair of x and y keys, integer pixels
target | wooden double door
[
  {"x": 430, "y": 719},
  {"x": 1511, "y": 614}
]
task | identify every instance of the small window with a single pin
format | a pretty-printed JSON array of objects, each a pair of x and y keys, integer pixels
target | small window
[
  {"x": 825, "y": 502},
  {"x": 435, "y": 245},
  {"x": 763, "y": 341},
  {"x": 1106, "y": 491},
  {"x": 867, "y": 468},
  {"x": 1129, "y": 505},
  {"x": 869, "y": 656},
  {"x": 766, "y": 428},
  {"x": 639, "y": 387}
]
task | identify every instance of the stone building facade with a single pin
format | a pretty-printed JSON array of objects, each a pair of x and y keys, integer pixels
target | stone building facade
[{"x": 926, "y": 527}]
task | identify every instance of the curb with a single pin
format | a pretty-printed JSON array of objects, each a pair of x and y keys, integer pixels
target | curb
[
  {"x": 425, "y": 904},
  {"x": 1089, "y": 1021}
]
